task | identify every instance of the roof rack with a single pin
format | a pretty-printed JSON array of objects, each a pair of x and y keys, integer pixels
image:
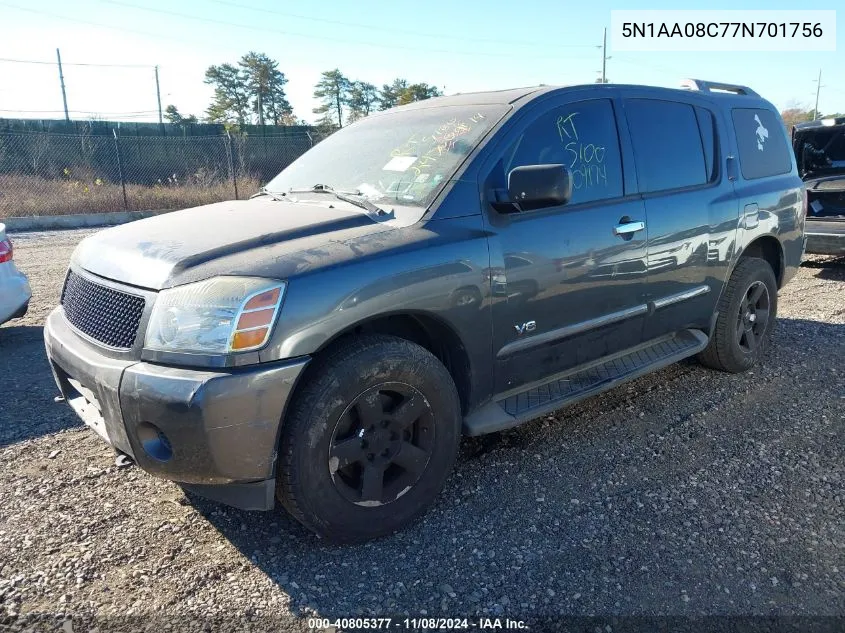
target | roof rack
[{"x": 715, "y": 86}]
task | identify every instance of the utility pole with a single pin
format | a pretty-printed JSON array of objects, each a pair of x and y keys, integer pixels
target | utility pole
[
  {"x": 818, "y": 90},
  {"x": 62, "y": 83},
  {"x": 604, "y": 57},
  {"x": 158, "y": 96}
]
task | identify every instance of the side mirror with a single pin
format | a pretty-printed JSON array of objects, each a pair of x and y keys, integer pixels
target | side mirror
[{"x": 539, "y": 186}]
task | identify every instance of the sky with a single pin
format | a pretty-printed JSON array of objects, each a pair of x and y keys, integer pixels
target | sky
[{"x": 457, "y": 45}]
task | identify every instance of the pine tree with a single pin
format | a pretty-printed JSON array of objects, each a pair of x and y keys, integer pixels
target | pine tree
[{"x": 333, "y": 91}]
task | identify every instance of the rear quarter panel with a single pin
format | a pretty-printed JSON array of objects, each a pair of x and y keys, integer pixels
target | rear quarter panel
[{"x": 780, "y": 204}]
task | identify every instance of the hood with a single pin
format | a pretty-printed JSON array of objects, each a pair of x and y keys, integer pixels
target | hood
[
  {"x": 820, "y": 149},
  {"x": 171, "y": 248}
]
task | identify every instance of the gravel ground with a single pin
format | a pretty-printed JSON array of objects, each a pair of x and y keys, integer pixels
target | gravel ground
[{"x": 686, "y": 492}]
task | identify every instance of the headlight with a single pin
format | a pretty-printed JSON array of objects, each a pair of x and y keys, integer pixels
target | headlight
[{"x": 216, "y": 316}]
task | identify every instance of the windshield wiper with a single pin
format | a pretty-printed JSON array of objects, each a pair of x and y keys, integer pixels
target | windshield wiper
[{"x": 352, "y": 197}]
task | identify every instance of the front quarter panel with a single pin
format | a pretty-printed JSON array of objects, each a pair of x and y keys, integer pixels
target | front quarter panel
[{"x": 437, "y": 268}]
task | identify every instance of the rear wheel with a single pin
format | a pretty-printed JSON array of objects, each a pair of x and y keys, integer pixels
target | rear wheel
[
  {"x": 747, "y": 311},
  {"x": 370, "y": 439}
]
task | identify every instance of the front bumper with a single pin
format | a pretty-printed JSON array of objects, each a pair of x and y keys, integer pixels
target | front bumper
[{"x": 215, "y": 432}]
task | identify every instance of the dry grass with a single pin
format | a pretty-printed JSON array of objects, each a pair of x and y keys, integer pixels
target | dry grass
[{"x": 32, "y": 195}]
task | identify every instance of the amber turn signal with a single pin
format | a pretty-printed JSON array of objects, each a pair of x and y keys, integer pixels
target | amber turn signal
[
  {"x": 255, "y": 320},
  {"x": 267, "y": 299},
  {"x": 249, "y": 320},
  {"x": 248, "y": 339}
]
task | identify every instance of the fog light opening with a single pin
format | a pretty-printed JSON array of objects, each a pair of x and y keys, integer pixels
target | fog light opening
[{"x": 154, "y": 442}]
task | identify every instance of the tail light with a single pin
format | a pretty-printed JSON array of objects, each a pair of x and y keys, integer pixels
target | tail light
[
  {"x": 6, "y": 251},
  {"x": 806, "y": 203}
]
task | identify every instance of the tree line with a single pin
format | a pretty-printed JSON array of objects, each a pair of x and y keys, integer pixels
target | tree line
[
  {"x": 343, "y": 100},
  {"x": 252, "y": 90},
  {"x": 797, "y": 114}
]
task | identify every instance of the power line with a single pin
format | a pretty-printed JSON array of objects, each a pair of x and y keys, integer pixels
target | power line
[
  {"x": 135, "y": 112},
  {"x": 650, "y": 65},
  {"x": 66, "y": 18},
  {"x": 51, "y": 14},
  {"x": 253, "y": 27},
  {"x": 64, "y": 63},
  {"x": 360, "y": 25}
]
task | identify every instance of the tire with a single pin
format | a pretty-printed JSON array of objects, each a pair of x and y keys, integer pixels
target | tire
[
  {"x": 742, "y": 333},
  {"x": 340, "y": 434}
]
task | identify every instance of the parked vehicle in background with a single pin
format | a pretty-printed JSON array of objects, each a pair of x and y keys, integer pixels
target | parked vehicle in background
[
  {"x": 14, "y": 287},
  {"x": 458, "y": 265},
  {"x": 820, "y": 153}
]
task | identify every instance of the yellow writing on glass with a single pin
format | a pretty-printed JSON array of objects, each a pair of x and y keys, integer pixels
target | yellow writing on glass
[
  {"x": 431, "y": 147},
  {"x": 586, "y": 159}
]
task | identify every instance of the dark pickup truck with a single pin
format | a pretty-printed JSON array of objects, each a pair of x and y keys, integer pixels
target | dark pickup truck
[
  {"x": 455, "y": 266},
  {"x": 820, "y": 153}
]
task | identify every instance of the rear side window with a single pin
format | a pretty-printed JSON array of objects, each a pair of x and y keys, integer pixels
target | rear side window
[
  {"x": 667, "y": 144},
  {"x": 760, "y": 137},
  {"x": 583, "y": 137},
  {"x": 707, "y": 128}
]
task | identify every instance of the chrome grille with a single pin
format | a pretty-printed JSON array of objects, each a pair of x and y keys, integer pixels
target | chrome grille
[{"x": 105, "y": 314}]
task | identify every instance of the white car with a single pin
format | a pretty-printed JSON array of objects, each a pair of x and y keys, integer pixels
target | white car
[{"x": 14, "y": 287}]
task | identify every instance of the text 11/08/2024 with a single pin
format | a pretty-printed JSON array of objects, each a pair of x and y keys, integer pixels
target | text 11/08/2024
[{"x": 417, "y": 624}]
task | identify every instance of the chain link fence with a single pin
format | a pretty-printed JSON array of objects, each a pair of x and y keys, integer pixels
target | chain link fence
[{"x": 57, "y": 174}]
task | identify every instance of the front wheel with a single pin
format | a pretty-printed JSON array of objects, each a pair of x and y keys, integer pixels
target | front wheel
[
  {"x": 370, "y": 439},
  {"x": 747, "y": 311}
]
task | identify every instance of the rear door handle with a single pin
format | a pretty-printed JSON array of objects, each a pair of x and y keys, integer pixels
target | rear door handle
[{"x": 628, "y": 227}]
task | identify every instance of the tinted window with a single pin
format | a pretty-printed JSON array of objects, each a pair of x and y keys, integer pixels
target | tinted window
[
  {"x": 707, "y": 128},
  {"x": 581, "y": 136},
  {"x": 667, "y": 144},
  {"x": 762, "y": 143}
]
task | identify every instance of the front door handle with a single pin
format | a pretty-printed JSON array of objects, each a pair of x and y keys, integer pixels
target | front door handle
[{"x": 628, "y": 228}]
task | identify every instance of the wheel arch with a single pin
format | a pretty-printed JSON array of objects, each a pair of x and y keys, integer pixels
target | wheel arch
[
  {"x": 768, "y": 248},
  {"x": 427, "y": 331}
]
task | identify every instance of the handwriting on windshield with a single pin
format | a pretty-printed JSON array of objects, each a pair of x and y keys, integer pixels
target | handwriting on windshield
[
  {"x": 587, "y": 159},
  {"x": 430, "y": 148}
]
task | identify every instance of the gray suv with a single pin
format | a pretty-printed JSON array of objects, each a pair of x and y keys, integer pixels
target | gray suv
[{"x": 455, "y": 266}]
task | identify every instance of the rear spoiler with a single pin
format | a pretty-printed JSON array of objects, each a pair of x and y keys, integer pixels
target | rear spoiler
[{"x": 715, "y": 86}]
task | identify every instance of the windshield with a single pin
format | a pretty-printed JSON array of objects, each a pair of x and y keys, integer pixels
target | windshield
[{"x": 403, "y": 157}]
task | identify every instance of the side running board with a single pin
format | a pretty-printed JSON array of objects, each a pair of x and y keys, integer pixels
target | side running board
[{"x": 512, "y": 408}]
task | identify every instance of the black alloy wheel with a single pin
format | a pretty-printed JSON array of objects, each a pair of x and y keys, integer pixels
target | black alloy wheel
[
  {"x": 745, "y": 316},
  {"x": 369, "y": 438},
  {"x": 753, "y": 317},
  {"x": 382, "y": 444}
]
